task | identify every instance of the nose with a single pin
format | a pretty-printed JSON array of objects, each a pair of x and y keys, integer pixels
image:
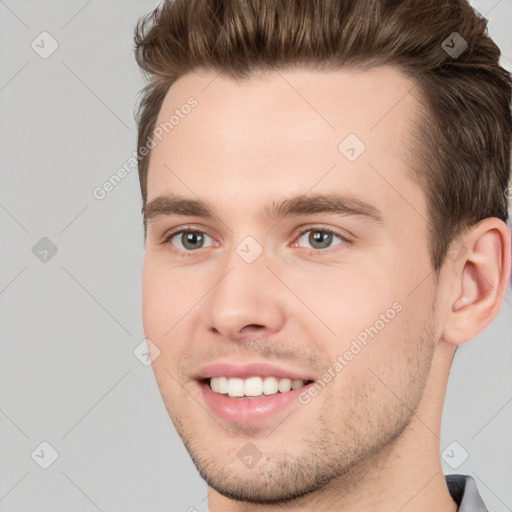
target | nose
[{"x": 246, "y": 301}]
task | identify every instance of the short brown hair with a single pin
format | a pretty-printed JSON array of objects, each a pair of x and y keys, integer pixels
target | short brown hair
[{"x": 463, "y": 136}]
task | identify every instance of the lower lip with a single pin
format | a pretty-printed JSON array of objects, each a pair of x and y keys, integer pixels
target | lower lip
[{"x": 248, "y": 410}]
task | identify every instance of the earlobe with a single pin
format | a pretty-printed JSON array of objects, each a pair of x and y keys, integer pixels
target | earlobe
[{"x": 481, "y": 279}]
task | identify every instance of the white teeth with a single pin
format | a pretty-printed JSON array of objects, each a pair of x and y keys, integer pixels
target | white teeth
[
  {"x": 222, "y": 385},
  {"x": 252, "y": 386},
  {"x": 297, "y": 384},
  {"x": 214, "y": 385},
  {"x": 270, "y": 386},
  {"x": 235, "y": 387},
  {"x": 284, "y": 385}
]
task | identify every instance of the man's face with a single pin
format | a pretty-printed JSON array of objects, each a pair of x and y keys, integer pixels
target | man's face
[{"x": 294, "y": 293}]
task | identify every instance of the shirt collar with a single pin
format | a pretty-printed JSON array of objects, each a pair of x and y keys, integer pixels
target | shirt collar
[{"x": 464, "y": 492}]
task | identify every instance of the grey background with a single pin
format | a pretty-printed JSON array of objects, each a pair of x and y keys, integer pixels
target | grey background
[{"x": 69, "y": 325}]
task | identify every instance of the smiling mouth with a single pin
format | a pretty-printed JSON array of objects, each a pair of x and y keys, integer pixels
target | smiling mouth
[{"x": 253, "y": 387}]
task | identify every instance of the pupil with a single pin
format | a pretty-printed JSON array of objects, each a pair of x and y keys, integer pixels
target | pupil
[
  {"x": 320, "y": 238},
  {"x": 192, "y": 239}
]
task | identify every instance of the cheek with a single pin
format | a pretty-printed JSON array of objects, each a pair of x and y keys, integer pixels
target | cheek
[
  {"x": 165, "y": 298},
  {"x": 169, "y": 314},
  {"x": 154, "y": 302},
  {"x": 371, "y": 320},
  {"x": 376, "y": 378},
  {"x": 347, "y": 302}
]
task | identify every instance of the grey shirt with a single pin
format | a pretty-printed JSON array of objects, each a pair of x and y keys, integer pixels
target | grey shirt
[{"x": 464, "y": 492}]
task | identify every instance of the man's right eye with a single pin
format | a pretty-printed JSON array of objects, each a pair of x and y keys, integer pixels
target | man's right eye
[{"x": 188, "y": 240}]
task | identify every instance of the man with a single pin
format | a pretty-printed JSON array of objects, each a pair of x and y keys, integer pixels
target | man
[{"x": 325, "y": 202}]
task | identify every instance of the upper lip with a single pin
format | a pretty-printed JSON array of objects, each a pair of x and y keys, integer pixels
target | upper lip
[{"x": 244, "y": 371}]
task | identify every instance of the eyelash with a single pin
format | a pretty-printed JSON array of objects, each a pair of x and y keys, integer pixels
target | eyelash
[{"x": 188, "y": 229}]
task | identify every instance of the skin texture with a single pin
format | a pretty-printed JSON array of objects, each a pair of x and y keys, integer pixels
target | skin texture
[{"x": 370, "y": 438}]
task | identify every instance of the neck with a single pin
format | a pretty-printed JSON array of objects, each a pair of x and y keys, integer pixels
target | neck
[{"x": 405, "y": 476}]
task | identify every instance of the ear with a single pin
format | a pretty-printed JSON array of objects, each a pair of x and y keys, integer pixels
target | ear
[{"x": 479, "y": 271}]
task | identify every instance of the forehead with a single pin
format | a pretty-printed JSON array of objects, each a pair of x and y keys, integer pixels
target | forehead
[{"x": 284, "y": 131}]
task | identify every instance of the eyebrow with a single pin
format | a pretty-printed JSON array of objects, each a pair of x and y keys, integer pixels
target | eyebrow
[{"x": 304, "y": 204}]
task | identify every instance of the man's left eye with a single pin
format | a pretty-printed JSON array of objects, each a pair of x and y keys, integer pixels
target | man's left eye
[{"x": 319, "y": 238}]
